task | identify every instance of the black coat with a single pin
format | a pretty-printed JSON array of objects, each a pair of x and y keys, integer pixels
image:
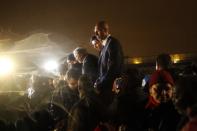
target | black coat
[
  {"x": 90, "y": 66},
  {"x": 162, "y": 118},
  {"x": 86, "y": 114},
  {"x": 110, "y": 63}
]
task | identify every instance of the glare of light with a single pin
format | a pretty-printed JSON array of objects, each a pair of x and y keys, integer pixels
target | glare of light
[
  {"x": 6, "y": 65},
  {"x": 51, "y": 65},
  {"x": 30, "y": 92},
  {"x": 143, "y": 83},
  {"x": 137, "y": 61},
  {"x": 93, "y": 42},
  {"x": 176, "y": 58}
]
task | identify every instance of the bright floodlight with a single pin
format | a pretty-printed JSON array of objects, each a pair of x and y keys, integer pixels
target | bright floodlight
[
  {"x": 51, "y": 65},
  {"x": 6, "y": 65}
]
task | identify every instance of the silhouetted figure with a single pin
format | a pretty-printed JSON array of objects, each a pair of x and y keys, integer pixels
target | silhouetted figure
[
  {"x": 164, "y": 62},
  {"x": 127, "y": 106},
  {"x": 160, "y": 113},
  {"x": 89, "y": 63},
  {"x": 110, "y": 62},
  {"x": 86, "y": 114},
  {"x": 186, "y": 101}
]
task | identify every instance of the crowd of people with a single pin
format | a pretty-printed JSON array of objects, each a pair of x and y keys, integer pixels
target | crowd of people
[{"x": 100, "y": 94}]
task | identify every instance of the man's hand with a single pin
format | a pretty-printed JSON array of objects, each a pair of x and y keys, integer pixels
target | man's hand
[{"x": 96, "y": 88}]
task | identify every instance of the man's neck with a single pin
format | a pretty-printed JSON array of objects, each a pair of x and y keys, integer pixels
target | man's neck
[
  {"x": 84, "y": 57},
  {"x": 104, "y": 42}
]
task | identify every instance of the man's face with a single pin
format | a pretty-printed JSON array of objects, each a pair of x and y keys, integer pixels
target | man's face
[
  {"x": 161, "y": 94},
  {"x": 78, "y": 57},
  {"x": 101, "y": 33},
  {"x": 72, "y": 83},
  {"x": 120, "y": 84}
]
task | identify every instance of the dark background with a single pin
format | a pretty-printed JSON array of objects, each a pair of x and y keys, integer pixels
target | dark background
[{"x": 144, "y": 27}]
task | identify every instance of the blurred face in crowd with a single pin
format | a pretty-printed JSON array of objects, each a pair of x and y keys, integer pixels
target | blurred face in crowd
[
  {"x": 115, "y": 88},
  {"x": 72, "y": 83},
  {"x": 70, "y": 62},
  {"x": 119, "y": 85},
  {"x": 78, "y": 57},
  {"x": 161, "y": 93}
]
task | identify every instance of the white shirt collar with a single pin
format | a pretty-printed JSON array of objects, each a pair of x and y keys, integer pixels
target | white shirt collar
[
  {"x": 104, "y": 42},
  {"x": 84, "y": 58}
]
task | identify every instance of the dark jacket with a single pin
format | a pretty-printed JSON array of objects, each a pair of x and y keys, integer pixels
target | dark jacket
[
  {"x": 162, "y": 118},
  {"x": 86, "y": 114},
  {"x": 69, "y": 97},
  {"x": 110, "y": 63},
  {"x": 90, "y": 66},
  {"x": 76, "y": 66}
]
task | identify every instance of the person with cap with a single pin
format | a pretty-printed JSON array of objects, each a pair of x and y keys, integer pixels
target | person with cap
[{"x": 160, "y": 113}]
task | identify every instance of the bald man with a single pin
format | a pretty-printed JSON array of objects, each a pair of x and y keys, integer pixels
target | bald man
[{"x": 110, "y": 61}]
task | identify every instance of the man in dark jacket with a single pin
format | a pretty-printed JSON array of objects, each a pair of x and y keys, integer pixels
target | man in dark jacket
[
  {"x": 110, "y": 61},
  {"x": 89, "y": 62}
]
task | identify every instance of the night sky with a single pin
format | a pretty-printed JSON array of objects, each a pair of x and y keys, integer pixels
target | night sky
[{"x": 144, "y": 27}]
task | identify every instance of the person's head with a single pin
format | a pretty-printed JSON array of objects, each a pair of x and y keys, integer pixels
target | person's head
[
  {"x": 96, "y": 43},
  {"x": 127, "y": 83},
  {"x": 85, "y": 86},
  {"x": 120, "y": 84},
  {"x": 80, "y": 54},
  {"x": 161, "y": 92},
  {"x": 72, "y": 76},
  {"x": 185, "y": 93},
  {"x": 71, "y": 59},
  {"x": 161, "y": 87},
  {"x": 101, "y": 29},
  {"x": 163, "y": 61}
]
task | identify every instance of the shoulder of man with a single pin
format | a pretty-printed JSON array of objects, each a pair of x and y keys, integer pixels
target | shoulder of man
[
  {"x": 113, "y": 39},
  {"x": 114, "y": 44},
  {"x": 92, "y": 57}
]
